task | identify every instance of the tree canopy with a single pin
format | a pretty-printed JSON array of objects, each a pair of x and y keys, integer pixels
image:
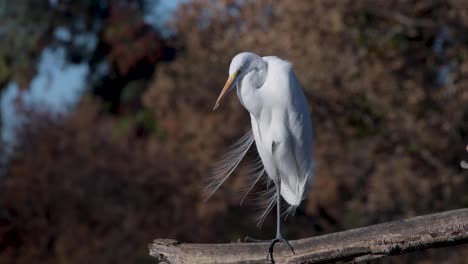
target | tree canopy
[{"x": 385, "y": 81}]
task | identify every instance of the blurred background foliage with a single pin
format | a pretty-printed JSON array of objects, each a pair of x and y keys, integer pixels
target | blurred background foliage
[{"x": 386, "y": 82}]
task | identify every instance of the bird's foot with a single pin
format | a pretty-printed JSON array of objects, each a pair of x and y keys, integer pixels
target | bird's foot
[
  {"x": 254, "y": 240},
  {"x": 279, "y": 238}
]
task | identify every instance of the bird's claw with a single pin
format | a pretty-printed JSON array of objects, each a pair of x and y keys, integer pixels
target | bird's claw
[{"x": 272, "y": 245}]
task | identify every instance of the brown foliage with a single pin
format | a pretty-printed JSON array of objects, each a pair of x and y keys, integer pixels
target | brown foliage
[
  {"x": 380, "y": 127},
  {"x": 130, "y": 39},
  {"x": 79, "y": 195},
  {"x": 387, "y": 141}
]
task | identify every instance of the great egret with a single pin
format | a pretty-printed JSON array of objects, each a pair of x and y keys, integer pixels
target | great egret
[{"x": 269, "y": 90}]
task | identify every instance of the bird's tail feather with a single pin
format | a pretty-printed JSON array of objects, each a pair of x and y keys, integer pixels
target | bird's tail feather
[
  {"x": 256, "y": 172},
  {"x": 288, "y": 210},
  {"x": 228, "y": 162},
  {"x": 265, "y": 201}
]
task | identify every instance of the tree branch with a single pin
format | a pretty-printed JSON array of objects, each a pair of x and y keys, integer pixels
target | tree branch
[{"x": 356, "y": 245}]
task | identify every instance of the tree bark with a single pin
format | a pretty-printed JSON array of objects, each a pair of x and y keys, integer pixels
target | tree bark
[{"x": 355, "y": 245}]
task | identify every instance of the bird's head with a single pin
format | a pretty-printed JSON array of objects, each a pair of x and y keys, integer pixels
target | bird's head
[{"x": 241, "y": 64}]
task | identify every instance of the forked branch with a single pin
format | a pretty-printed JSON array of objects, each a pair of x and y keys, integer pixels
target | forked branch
[{"x": 355, "y": 245}]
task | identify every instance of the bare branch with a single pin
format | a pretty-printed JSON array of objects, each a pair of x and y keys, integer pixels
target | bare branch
[{"x": 356, "y": 245}]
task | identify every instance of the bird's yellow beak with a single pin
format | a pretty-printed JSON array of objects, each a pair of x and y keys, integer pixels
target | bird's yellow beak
[{"x": 226, "y": 88}]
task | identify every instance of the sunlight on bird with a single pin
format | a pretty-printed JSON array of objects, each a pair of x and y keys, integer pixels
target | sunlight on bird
[{"x": 281, "y": 128}]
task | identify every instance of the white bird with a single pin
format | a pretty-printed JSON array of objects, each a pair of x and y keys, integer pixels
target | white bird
[{"x": 269, "y": 90}]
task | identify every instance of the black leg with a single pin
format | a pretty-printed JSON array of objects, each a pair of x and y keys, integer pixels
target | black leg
[{"x": 279, "y": 237}]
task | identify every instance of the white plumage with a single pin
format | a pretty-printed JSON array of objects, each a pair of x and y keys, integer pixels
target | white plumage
[
  {"x": 281, "y": 128},
  {"x": 284, "y": 119}
]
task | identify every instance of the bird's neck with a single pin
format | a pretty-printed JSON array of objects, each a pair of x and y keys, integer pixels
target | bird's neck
[{"x": 249, "y": 89}]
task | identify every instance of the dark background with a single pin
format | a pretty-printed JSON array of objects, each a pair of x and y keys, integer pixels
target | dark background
[{"x": 386, "y": 82}]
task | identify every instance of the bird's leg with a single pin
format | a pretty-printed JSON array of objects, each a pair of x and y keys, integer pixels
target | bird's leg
[{"x": 279, "y": 237}]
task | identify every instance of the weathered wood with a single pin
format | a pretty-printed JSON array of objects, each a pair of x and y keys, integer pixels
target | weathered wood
[{"x": 355, "y": 245}]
